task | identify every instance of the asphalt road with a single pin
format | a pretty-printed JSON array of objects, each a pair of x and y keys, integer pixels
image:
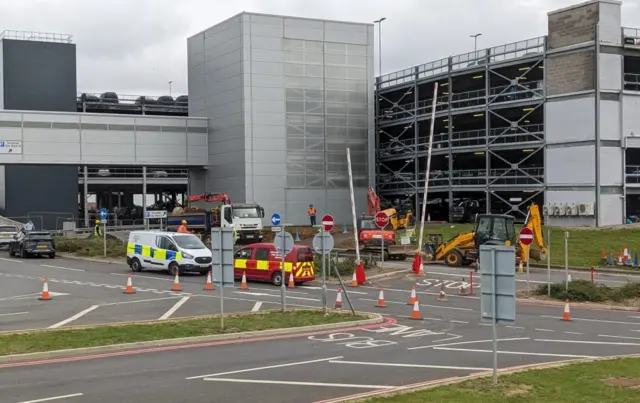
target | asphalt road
[{"x": 450, "y": 341}]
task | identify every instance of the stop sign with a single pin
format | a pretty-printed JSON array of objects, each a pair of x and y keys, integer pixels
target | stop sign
[
  {"x": 327, "y": 222},
  {"x": 381, "y": 219},
  {"x": 526, "y": 236}
]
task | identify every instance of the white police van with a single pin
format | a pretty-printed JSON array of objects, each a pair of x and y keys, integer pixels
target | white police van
[{"x": 171, "y": 251}]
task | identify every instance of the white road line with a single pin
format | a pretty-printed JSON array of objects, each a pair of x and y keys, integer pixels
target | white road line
[
  {"x": 513, "y": 352},
  {"x": 425, "y": 305},
  {"x": 13, "y": 313},
  {"x": 139, "y": 300},
  {"x": 619, "y": 337},
  {"x": 421, "y": 292},
  {"x": 20, "y": 296},
  {"x": 333, "y": 385},
  {"x": 515, "y": 327},
  {"x": 61, "y": 268},
  {"x": 592, "y": 320},
  {"x": 290, "y": 364},
  {"x": 573, "y": 333},
  {"x": 11, "y": 260},
  {"x": 544, "y": 330},
  {"x": 74, "y": 317},
  {"x": 457, "y": 321},
  {"x": 389, "y": 364},
  {"x": 587, "y": 342},
  {"x": 256, "y": 306},
  {"x": 454, "y": 337},
  {"x": 137, "y": 276},
  {"x": 468, "y": 342},
  {"x": 174, "y": 308},
  {"x": 484, "y": 324},
  {"x": 48, "y": 399},
  {"x": 465, "y": 275}
]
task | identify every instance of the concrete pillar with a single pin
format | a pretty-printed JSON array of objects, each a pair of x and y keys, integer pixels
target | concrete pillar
[{"x": 85, "y": 195}]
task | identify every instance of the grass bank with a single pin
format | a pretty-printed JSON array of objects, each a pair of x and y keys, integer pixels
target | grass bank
[
  {"x": 585, "y": 245},
  {"x": 50, "y": 340},
  {"x": 596, "y": 382},
  {"x": 584, "y": 291}
]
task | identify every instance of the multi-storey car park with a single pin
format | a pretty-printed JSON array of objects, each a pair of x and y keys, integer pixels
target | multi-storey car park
[{"x": 519, "y": 123}]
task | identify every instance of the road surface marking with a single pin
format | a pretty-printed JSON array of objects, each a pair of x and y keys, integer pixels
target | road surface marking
[
  {"x": 573, "y": 333},
  {"x": 262, "y": 294},
  {"x": 138, "y": 276},
  {"x": 544, "y": 330},
  {"x": 513, "y": 352},
  {"x": 484, "y": 324},
  {"x": 13, "y": 313},
  {"x": 61, "y": 268},
  {"x": 457, "y": 321},
  {"x": 48, "y": 399},
  {"x": 11, "y": 260},
  {"x": 515, "y": 327},
  {"x": 139, "y": 300},
  {"x": 619, "y": 337},
  {"x": 592, "y": 320},
  {"x": 256, "y": 306},
  {"x": 429, "y": 306},
  {"x": 468, "y": 342},
  {"x": 334, "y": 385},
  {"x": 421, "y": 292},
  {"x": 74, "y": 317},
  {"x": 462, "y": 274},
  {"x": 609, "y": 343},
  {"x": 454, "y": 337},
  {"x": 388, "y": 364},
  {"x": 290, "y": 364},
  {"x": 174, "y": 308}
]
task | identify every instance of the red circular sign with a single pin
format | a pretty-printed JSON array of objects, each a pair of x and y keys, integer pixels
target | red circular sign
[
  {"x": 327, "y": 222},
  {"x": 381, "y": 219},
  {"x": 526, "y": 236}
]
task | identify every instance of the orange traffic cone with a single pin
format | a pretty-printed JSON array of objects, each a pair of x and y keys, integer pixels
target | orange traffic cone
[
  {"x": 44, "y": 296},
  {"x": 339, "y": 299},
  {"x": 208, "y": 286},
  {"x": 421, "y": 269},
  {"x": 129, "y": 288},
  {"x": 567, "y": 313},
  {"x": 292, "y": 283},
  {"x": 442, "y": 296},
  {"x": 176, "y": 283},
  {"x": 413, "y": 297},
  {"x": 381, "y": 300},
  {"x": 243, "y": 284},
  {"x": 415, "y": 314},
  {"x": 354, "y": 280}
]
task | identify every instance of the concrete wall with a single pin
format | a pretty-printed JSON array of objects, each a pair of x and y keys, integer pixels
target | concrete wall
[
  {"x": 39, "y": 76},
  {"x": 216, "y": 92},
  {"x": 81, "y": 138}
]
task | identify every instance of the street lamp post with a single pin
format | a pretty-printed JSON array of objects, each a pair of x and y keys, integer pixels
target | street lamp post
[
  {"x": 170, "y": 82},
  {"x": 379, "y": 22},
  {"x": 475, "y": 43}
]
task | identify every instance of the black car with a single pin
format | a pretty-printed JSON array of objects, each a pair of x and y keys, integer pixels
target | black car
[{"x": 33, "y": 243}]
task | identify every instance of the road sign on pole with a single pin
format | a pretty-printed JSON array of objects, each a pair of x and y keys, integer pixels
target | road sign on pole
[
  {"x": 327, "y": 222},
  {"x": 103, "y": 214},
  {"x": 155, "y": 214},
  {"x": 498, "y": 296},
  {"x": 526, "y": 236},
  {"x": 323, "y": 244},
  {"x": 275, "y": 219},
  {"x": 381, "y": 219},
  {"x": 283, "y": 242}
]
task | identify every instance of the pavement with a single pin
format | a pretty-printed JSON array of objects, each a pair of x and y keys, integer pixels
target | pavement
[{"x": 450, "y": 341}]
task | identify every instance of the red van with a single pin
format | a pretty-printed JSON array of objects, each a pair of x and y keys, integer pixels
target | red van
[{"x": 261, "y": 262}]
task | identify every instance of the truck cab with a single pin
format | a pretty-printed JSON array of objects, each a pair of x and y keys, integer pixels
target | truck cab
[{"x": 247, "y": 220}]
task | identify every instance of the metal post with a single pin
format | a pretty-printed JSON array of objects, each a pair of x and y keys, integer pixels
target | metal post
[
  {"x": 104, "y": 236},
  {"x": 528, "y": 259},
  {"x": 353, "y": 207},
  {"x": 324, "y": 274},
  {"x": 221, "y": 279},
  {"x": 494, "y": 322},
  {"x": 597, "y": 98},
  {"x": 426, "y": 179},
  {"x": 283, "y": 288},
  {"x": 382, "y": 249},
  {"x": 144, "y": 197},
  {"x": 346, "y": 294},
  {"x": 475, "y": 44},
  {"x": 85, "y": 196},
  {"x": 379, "y": 22},
  {"x": 566, "y": 261},
  {"x": 549, "y": 263}
]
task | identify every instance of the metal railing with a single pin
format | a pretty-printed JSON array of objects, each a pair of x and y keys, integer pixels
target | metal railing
[
  {"x": 134, "y": 172},
  {"x": 632, "y": 174},
  {"x": 631, "y": 82},
  {"x": 110, "y": 102},
  {"x": 36, "y": 36},
  {"x": 630, "y": 36}
]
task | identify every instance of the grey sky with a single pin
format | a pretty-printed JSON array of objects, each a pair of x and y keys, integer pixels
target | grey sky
[{"x": 137, "y": 46}]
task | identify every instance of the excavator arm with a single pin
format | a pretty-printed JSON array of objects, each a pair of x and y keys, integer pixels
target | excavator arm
[
  {"x": 210, "y": 198},
  {"x": 534, "y": 223},
  {"x": 374, "y": 202}
]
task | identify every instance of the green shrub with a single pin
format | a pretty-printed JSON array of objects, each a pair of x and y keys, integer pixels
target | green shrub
[
  {"x": 584, "y": 291},
  {"x": 345, "y": 265},
  {"x": 90, "y": 247}
]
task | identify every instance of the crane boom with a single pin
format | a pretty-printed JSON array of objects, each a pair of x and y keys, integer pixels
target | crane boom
[{"x": 210, "y": 198}]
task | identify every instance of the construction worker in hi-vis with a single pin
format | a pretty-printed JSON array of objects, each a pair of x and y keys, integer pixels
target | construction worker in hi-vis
[
  {"x": 312, "y": 214},
  {"x": 183, "y": 227},
  {"x": 97, "y": 229}
]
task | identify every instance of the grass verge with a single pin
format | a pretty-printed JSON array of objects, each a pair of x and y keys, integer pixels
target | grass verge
[
  {"x": 584, "y": 291},
  {"x": 594, "y": 382},
  {"x": 50, "y": 340}
]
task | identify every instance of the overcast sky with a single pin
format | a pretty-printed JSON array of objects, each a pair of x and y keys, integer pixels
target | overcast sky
[{"x": 138, "y": 46}]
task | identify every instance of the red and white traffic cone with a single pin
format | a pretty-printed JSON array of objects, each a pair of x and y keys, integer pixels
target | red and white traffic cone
[
  {"x": 442, "y": 297},
  {"x": 339, "y": 299},
  {"x": 413, "y": 297},
  {"x": 415, "y": 313},
  {"x": 380, "y": 303},
  {"x": 208, "y": 286}
]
